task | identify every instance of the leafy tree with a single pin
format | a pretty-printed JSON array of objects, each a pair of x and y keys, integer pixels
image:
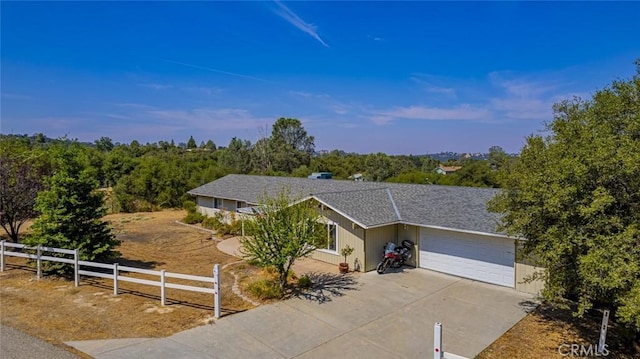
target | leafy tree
[
  {"x": 20, "y": 182},
  {"x": 575, "y": 196},
  {"x": 378, "y": 167},
  {"x": 210, "y": 145},
  {"x": 474, "y": 173},
  {"x": 428, "y": 164},
  {"x": 71, "y": 211},
  {"x": 417, "y": 177},
  {"x": 282, "y": 233},
  {"x": 237, "y": 156},
  {"x": 191, "y": 143},
  {"x": 261, "y": 156},
  {"x": 118, "y": 162},
  {"x": 104, "y": 144},
  {"x": 497, "y": 157},
  {"x": 290, "y": 145}
]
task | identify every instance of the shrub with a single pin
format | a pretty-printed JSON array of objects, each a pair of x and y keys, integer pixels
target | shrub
[
  {"x": 189, "y": 206},
  {"x": 193, "y": 218},
  {"x": 211, "y": 223},
  {"x": 265, "y": 289}
]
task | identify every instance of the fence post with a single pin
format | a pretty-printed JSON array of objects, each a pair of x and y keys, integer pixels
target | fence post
[
  {"x": 437, "y": 341},
  {"x": 2, "y": 256},
  {"x": 39, "y": 273},
  {"x": 76, "y": 266},
  {"x": 115, "y": 279},
  {"x": 163, "y": 298},
  {"x": 216, "y": 290}
]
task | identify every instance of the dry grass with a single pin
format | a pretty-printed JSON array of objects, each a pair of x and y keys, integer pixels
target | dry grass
[
  {"x": 53, "y": 309},
  {"x": 540, "y": 334}
]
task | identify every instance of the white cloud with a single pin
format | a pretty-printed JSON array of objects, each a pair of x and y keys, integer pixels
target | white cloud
[
  {"x": 306, "y": 94},
  {"x": 16, "y": 96},
  {"x": 286, "y": 13},
  {"x": 156, "y": 86},
  {"x": 210, "y": 119},
  {"x": 529, "y": 97},
  {"x": 376, "y": 38},
  {"x": 427, "y": 82},
  {"x": 522, "y": 109},
  {"x": 202, "y": 90},
  {"x": 463, "y": 112}
]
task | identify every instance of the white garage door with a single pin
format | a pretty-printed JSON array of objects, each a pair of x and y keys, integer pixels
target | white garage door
[{"x": 484, "y": 258}]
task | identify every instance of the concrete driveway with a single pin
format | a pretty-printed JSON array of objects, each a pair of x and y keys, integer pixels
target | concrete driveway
[{"x": 354, "y": 316}]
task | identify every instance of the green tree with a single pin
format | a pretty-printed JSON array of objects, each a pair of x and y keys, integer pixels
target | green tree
[
  {"x": 497, "y": 157},
  {"x": 290, "y": 146},
  {"x": 210, "y": 145},
  {"x": 237, "y": 156},
  {"x": 378, "y": 167},
  {"x": 575, "y": 196},
  {"x": 104, "y": 144},
  {"x": 282, "y": 233},
  {"x": 474, "y": 173},
  {"x": 191, "y": 143},
  {"x": 71, "y": 211}
]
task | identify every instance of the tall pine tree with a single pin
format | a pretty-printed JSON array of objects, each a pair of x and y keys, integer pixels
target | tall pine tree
[{"x": 71, "y": 211}]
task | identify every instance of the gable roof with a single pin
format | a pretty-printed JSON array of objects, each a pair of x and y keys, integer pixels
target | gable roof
[{"x": 371, "y": 204}]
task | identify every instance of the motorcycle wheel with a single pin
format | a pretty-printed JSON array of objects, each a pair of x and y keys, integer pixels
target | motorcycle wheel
[{"x": 382, "y": 266}]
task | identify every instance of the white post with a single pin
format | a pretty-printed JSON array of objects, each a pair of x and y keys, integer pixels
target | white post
[
  {"x": 115, "y": 279},
  {"x": 76, "y": 266},
  {"x": 216, "y": 290},
  {"x": 39, "y": 273},
  {"x": 163, "y": 298},
  {"x": 603, "y": 331},
  {"x": 2, "y": 256},
  {"x": 437, "y": 341}
]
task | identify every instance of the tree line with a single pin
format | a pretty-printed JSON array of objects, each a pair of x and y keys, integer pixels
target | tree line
[{"x": 144, "y": 177}]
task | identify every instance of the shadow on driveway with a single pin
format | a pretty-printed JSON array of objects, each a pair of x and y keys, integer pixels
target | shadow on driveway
[{"x": 325, "y": 286}]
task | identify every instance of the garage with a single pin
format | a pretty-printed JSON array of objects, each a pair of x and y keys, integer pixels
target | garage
[{"x": 484, "y": 258}]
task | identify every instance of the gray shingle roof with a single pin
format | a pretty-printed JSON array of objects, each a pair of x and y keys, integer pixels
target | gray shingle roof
[
  {"x": 370, "y": 207},
  {"x": 371, "y": 203}
]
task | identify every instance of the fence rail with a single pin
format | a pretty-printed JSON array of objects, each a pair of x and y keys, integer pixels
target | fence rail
[{"x": 116, "y": 271}]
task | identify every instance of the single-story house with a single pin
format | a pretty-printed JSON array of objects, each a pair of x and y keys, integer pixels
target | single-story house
[
  {"x": 446, "y": 170},
  {"x": 451, "y": 227}
]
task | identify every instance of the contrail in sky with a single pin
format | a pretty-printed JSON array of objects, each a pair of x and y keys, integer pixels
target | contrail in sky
[
  {"x": 296, "y": 21},
  {"x": 215, "y": 70}
]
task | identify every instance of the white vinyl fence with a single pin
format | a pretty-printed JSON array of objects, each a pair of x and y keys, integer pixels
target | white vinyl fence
[{"x": 115, "y": 271}]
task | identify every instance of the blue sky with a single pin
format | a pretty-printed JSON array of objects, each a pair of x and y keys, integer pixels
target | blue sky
[{"x": 400, "y": 78}]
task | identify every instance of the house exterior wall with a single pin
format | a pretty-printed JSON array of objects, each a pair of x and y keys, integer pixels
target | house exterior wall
[
  {"x": 353, "y": 236},
  {"x": 525, "y": 267},
  {"x": 411, "y": 233},
  {"x": 375, "y": 239},
  {"x": 228, "y": 205},
  {"x": 205, "y": 206}
]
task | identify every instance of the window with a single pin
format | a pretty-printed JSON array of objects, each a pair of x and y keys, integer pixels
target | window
[
  {"x": 238, "y": 204},
  {"x": 216, "y": 203},
  {"x": 332, "y": 237},
  {"x": 332, "y": 240}
]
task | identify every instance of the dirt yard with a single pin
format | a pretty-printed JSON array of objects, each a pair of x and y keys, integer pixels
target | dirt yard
[
  {"x": 53, "y": 309},
  {"x": 548, "y": 333}
]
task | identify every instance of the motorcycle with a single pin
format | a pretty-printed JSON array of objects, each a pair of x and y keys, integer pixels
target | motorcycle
[{"x": 395, "y": 257}]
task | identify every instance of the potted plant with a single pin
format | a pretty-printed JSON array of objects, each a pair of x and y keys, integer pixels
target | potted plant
[{"x": 346, "y": 251}]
